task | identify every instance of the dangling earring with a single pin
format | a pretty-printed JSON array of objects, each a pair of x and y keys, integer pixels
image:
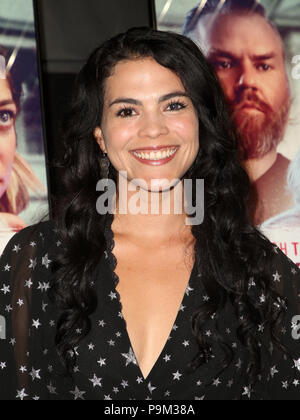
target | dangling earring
[{"x": 104, "y": 165}]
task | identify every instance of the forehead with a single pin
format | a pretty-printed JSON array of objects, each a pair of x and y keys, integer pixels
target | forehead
[
  {"x": 241, "y": 33},
  {"x": 5, "y": 91},
  {"x": 140, "y": 75}
]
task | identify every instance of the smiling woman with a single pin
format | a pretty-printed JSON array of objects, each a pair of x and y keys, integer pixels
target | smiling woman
[
  {"x": 144, "y": 306},
  {"x": 143, "y": 130}
]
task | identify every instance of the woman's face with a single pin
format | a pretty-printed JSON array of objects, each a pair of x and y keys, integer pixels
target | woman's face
[
  {"x": 8, "y": 111},
  {"x": 149, "y": 126}
]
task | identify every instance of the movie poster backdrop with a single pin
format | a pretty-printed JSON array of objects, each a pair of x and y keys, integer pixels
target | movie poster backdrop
[
  {"x": 229, "y": 42},
  {"x": 23, "y": 178}
]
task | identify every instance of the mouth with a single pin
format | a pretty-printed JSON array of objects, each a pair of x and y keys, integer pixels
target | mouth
[
  {"x": 249, "y": 106},
  {"x": 155, "y": 156}
]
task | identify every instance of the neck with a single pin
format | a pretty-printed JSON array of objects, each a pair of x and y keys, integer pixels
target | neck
[
  {"x": 258, "y": 167},
  {"x": 151, "y": 216}
]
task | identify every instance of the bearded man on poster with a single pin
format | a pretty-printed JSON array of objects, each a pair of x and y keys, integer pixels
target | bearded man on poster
[{"x": 248, "y": 55}]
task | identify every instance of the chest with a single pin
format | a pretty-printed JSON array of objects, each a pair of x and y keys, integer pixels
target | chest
[{"x": 151, "y": 286}]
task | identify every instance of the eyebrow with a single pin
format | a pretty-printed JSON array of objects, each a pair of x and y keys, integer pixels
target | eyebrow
[
  {"x": 7, "y": 102},
  {"x": 263, "y": 57},
  {"x": 255, "y": 57},
  {"x": 137, "y": 102}
]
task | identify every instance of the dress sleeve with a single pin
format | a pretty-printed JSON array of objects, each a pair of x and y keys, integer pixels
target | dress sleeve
[
  {"x": 23, "y": 271},
  {"x": 283, "y": 376}
]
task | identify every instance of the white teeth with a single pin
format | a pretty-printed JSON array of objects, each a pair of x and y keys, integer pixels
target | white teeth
[{"x": 156, "y": 155}]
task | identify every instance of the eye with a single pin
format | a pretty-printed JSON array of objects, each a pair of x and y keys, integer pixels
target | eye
[
  {"x": 223, "y": 65},
  {"x": 175, "y": 106},
  {"x": 7, "y": 117},
  {"x": 264, "y": 67},
  {"x": 126, "y": 112}
]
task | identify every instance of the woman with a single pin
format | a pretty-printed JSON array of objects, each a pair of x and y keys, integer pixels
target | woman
[
  {"x": 147, "y": 306},
  {"x": 16, "y": 176}
]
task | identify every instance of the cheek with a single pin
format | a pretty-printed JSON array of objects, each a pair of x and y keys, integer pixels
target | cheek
[
  {"x": 117, "y": 135},
  {"x": 187, "y": 129},
  {"x": 227, "y": 83},
  {"x": 277, "y": 91},
  {"x": 7, "y": 146}
]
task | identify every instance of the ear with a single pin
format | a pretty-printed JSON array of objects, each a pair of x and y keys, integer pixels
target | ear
[{"x": 99, "y": 138}]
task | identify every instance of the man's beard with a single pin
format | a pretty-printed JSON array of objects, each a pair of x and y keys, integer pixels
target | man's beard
[{"x": 262, "y": 132}]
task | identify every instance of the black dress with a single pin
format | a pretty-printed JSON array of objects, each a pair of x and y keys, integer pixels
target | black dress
[{"x": 106, "y": 367}]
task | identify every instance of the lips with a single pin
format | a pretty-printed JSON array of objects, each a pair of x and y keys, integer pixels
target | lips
[
  {"x": 157, "y": 155},
  {"x": 247, "y": 106}
]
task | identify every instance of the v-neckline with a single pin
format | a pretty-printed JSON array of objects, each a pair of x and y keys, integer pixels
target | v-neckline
[{"x": 109, "y": 235}]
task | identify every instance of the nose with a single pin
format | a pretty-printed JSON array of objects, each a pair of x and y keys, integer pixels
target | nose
[
  {"x": 153, "y": 125},
  {"x": 246, "y": 78}
]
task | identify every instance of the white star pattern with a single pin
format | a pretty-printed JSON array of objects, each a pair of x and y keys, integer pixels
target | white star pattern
[
  {"x": 96, "y": 381},
  {"x": 124, "y": 384},
  {"x": 113, "y": 295},
  {"x": 35, "y": 374},
  {"x": 273, "y": 371},
  {"x": 36, "y": 324},
  {"x": 188, "y": 290},
  {"x": 297, "y": 364},
  {"x": 102, "y": 362},
  {"x": 151, "y": 388},
  {"x": 176, "y": 376},
  {"x": 216, "y": 382},
  {"x": 104, "y": 365},
  {"x": 21, "y": 394},
  {"x": 16, "y": 248},
  {"x": 130, "y": 357},
  {"x": 33, "y": 263},
  {"x": 167, "y": 358},
  {"x": 28, "y": 283},
  {"x": 5, "y": 289},
  {"x": 78, "y": 395},
  {"x": 276, "y": 277},
  {"x": 52, "y": 389},
  {"x": 247, "y": 391},
  {"x": 46, "y": 261}
]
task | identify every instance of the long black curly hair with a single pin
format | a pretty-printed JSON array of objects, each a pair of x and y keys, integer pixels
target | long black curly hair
[{"x": 229, "y": 251}]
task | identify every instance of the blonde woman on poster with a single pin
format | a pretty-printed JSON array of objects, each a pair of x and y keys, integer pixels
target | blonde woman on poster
[{"x": 16, "y": 175}]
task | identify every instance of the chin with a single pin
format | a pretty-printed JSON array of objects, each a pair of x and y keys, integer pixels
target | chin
[{"x": 162, "y": 184}]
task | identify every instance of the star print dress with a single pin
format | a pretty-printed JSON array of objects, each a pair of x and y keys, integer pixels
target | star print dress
[{"x": 106, "y": 367}]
